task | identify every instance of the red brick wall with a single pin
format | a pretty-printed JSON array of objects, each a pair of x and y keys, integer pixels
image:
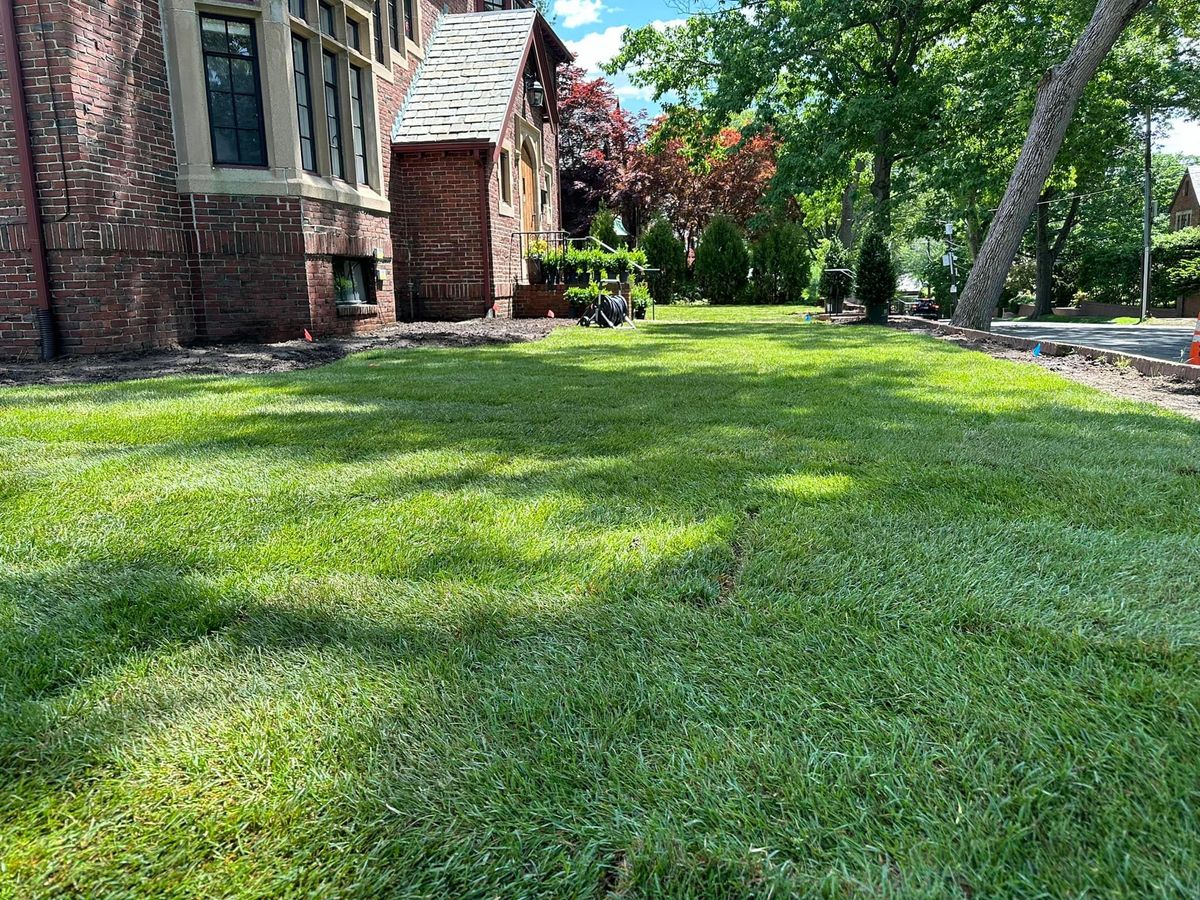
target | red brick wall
[
  {"x": 437, "y": 227},
  {"x": 104, "y": 153},
  {"x": 133, "y": 264},
  {"x": 331, "y": 230},
  {"x": 1186, "y": 200},
  {"x": 509, "y": 263}
]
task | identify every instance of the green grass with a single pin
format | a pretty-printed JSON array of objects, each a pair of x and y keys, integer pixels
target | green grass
[
  {"x": 1151, "y": 322},
  {"x": 735, "y": 606}
]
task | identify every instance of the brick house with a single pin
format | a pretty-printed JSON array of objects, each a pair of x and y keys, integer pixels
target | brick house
[
  {"x": 1185, "y": 206},
  {"x": 1185, "y": 213},
  {"x": 248, "y": 169}
]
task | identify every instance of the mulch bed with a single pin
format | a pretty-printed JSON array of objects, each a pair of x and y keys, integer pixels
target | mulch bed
[{"x": 258, "y": 359}]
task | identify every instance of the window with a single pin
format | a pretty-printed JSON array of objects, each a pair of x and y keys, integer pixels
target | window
[
  {"x": 304, "y": 113},
  {"x": 327, "y": 19},
  {"x": 546, "y": 179},
  {"x": 235, "y": 120},
  {"x": 409, "y": 21},
  {"x": 350, "y": 280},
  {"x": 506, "y": 194},
  {"x": 352, "y": 34},
  {"x": 1183, "y": 220},
  {"x": 394, "y": 24},
  {"x": 333, "y": 114},
  {"x": 298, "y": 8},
  {"x": 377, "y": 24},
  {"x": 357, "y": 117}
]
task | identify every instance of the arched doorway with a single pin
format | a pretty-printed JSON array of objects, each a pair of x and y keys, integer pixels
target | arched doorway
[{"x": 529, "y": 190}]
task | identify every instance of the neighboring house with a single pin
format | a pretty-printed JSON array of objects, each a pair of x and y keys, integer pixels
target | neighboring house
[
  {"x": 251, "y": 169},
  {"x": 1185, "y": 213},
  {"x": 1185, "y": 207}
]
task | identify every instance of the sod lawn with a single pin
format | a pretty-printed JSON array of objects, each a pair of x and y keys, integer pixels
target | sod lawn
[{"x": 731, "y": 605}]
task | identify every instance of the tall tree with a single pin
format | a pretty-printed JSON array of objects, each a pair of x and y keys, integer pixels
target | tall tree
[
  {"x": 691, "y": 177},
  {"x": 834, "y": 79},
  {"x": 596, "y": 139},
  {"x": 1058, "y": 96}
]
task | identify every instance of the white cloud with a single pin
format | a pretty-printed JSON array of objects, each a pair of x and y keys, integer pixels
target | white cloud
[
  {"x": 593, "y": 50},
  {"x": 1183, "y": 137},
  {"x": 577, "y": 13},
  {"x": 631, "y": 92}
]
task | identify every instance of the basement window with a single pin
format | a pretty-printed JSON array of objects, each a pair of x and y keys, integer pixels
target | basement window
[{"x": 350, "y": 280}]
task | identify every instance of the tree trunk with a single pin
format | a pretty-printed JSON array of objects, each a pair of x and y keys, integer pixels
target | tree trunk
[
  {"x": 1043, "y": 294},
  {"x": 1057, "y": 99},
  {"x": 1049, "y": 251},
  {"x": 849, "y": 195},
  {"x": 881, "y": 190},
  {"x": 974, "y": 229}
]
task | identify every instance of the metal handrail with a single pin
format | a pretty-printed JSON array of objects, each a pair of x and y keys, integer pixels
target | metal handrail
[{"x": 560, "y": 240}]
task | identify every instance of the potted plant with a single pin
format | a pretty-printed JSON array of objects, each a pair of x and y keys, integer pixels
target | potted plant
[
  {"x": 345, "y": 290},
  {"x": 552, "y": 266},
  {"x": 575, "y": 265},
  {"x": 621, "y": 263},
  {"x": 639, "y": 298},
  {"x": 535, "y": 261},
  {"x": 579, "y": 298}
]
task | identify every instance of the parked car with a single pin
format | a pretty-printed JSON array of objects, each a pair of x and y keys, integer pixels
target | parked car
[{"x": 925, "y": 309}]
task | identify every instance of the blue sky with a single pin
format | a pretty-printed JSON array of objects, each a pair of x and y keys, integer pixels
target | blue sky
[{"x": 593, "y": 29}]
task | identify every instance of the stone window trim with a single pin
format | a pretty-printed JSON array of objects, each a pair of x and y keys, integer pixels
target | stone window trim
[
  {"x": 245, "y": 153},
  {"x": 285, "y": 173},
  {"x": 529, "y": 135},
  {"x": 504, "y": 172}
]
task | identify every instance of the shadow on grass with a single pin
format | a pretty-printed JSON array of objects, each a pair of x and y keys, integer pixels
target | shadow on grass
[{"x": 613, "y": 610}]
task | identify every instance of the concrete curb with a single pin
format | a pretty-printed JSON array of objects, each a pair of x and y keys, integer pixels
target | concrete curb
[{"x": 1145, "y": 364}]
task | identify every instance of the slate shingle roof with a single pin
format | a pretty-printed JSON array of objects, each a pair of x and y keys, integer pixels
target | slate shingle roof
[{"x": 462, "y": 90}]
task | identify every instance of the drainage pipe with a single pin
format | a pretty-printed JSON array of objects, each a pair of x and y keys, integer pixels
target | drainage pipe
[{"x": 33, "y": 208}]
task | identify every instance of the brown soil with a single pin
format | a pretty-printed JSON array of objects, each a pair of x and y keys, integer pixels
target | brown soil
[
  {"x": 257, "y": 359},
  {"x": 1127, "y": 383}
]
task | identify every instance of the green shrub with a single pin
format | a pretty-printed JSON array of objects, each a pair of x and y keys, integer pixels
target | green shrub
[
  {"x": 836, "y": 285},
  {"x": 1113, "y": 274},
  {"x": 668, "y": 255},
  {"x": 604, "y": 227},
  {"x": 722, "y": 262},
  {"x": 639, "y": 298},
  {"x": 580, "y": 298},
  {"x": 876, "y": 277},
  {"x": 781, "y": 265}
]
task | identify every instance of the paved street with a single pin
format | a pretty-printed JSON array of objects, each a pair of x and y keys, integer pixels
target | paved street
[{"x": 1169, "y": 343}]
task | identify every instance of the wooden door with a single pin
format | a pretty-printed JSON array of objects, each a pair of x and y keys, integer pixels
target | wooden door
[{"x": 529, "y": 193}]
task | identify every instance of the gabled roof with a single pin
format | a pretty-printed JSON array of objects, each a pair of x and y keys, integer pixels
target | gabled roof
[
  {"x": 1192, "y": 174},
  {"x": 463, "y": 90}
]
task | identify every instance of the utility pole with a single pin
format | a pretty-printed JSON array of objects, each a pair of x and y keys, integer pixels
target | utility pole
[{"x": 1148, "y": 224}]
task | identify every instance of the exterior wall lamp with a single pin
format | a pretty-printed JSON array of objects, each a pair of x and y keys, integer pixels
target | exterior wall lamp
[{"x": 536, "y": 92}]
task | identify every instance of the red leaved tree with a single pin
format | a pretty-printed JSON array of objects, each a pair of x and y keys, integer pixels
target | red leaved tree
[
  {"x": 691, "y": 178},
  {"x": 596, "y": 140}
]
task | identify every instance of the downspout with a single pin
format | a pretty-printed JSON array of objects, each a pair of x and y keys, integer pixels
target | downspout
[
  {"x": 33, "y": 207},
  {"x": 485, "y": 211}
]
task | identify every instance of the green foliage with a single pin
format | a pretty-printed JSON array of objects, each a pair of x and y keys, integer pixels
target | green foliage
[
  {"x": 1112, "y": 274},
  {"x": 604, "y": 227},
  {"x": 666, "y": 253},
  {"x": 722, "y": 262},
  {"x": 876, "y": 276},
  {"x": 781, "y": 264},
  {"x": 835, "y": 286}
]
